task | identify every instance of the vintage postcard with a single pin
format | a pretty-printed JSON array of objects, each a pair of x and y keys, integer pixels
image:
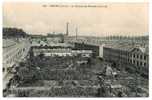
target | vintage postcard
[{"x": 75, "y": 49}]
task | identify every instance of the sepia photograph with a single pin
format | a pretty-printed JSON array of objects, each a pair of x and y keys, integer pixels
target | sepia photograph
[{"x": 75, "y": 49}]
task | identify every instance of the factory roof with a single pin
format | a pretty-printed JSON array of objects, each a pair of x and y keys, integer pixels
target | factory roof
[{"x": 127, "y": 47}]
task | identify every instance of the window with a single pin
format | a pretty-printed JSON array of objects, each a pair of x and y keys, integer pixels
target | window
[
  {"x": 137, "y": 56},
  {"x": 140, "y": 56},
  {"x": 134, "y": 55},
  {"x": 144, "y": 57},
  {"x": 137, "y": 63},
  {"x": 144, "y": 64},
  {"x": 140, "y": 63},
  {"x": 3, "y": 69},
  {"x": 8, "y": 69}
]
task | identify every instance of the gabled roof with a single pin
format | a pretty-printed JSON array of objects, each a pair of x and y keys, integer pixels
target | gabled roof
[{"x": 141, "y": 49}]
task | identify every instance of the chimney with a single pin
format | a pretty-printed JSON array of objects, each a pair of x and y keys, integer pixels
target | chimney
[{"x": 67, "y": 29}]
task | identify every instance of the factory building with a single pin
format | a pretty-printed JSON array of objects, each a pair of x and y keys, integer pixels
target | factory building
[
  {"x": 125, "y": 56},
  {"x": 140, "y": 59},
  {"x": 93, "y": 48},
  {"x": 59, "y": 50}
]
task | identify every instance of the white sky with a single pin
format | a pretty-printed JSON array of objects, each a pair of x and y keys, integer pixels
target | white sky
[{"x": 116, "y": 19}]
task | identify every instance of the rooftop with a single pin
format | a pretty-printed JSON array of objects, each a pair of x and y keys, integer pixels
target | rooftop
[{"x": 127, "y": 47}]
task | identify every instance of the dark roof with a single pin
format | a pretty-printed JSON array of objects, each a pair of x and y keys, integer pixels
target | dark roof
[{"x": 127, "y": 47}]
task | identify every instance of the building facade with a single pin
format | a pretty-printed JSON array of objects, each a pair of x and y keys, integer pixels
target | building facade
[{"x": 122, "y": 57}]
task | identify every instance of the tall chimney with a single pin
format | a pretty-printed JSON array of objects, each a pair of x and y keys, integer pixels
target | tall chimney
[{"x": 67, "y": 29}]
